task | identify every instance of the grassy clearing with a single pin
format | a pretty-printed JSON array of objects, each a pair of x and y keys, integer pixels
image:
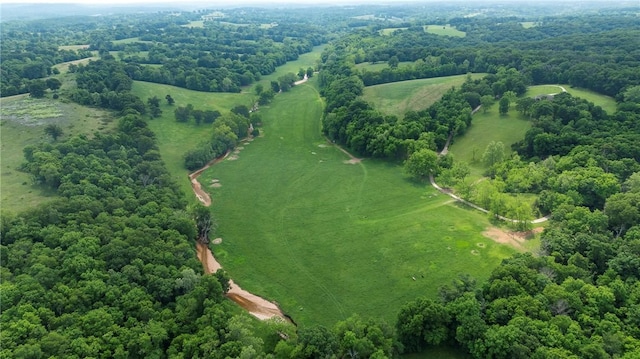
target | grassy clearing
[
  {"x": 304, "y": 61},
  {"x": 607, "y": 103},
  {"x": 399, "y": 97},
  {"x": 327, "y": 239},
  {"x": 23, "y": 122},
  {"x": 73, "y": 47},
  {"x": 130, "y": 41},
  {"x": 529, "y": 24},
  {"x": 378, "y": 66},
  {"x": 444, "y": 30},
  {"x": 390, "y": 31},
  {"x": 195, "y": 24},
  {"x": 175, "y": 139},
  {"x": 487, "y": 127},
  {"x": 64, "y": 66}
]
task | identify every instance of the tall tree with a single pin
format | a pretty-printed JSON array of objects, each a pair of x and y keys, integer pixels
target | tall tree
[
  {"x": 493, "y": 154},
  {"x": 421, "y": 164},
  {"x": 53, "y": 130}
]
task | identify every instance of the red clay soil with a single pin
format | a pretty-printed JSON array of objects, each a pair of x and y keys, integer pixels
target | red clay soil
[
  {"x": 255, "y": 305},
  {"x": 197, "y": 187}
]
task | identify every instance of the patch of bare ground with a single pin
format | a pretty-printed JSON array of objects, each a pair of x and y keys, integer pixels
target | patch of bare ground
[
  {"x": 514, "y": 239},
  {"x": 352, "y": 161}
]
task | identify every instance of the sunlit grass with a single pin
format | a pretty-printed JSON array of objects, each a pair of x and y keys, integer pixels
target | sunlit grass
[{"x": 397, "y": 98}]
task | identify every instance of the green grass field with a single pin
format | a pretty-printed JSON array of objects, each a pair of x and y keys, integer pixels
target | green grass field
[
  {"x": 327, "y": 239},
  {"x": 64, "y": 66},
  {"x": 23, "y": 121},
  {"x": 397, "y": 98},
  {"x": 378, "y": 66},
  {"x": 310, "y": 59},
  {"x": 195, "y": 24},
  {"x": 607, "y": 103},
  {"x": 175, "y": 139},
  {"x": 73, "y": 47},
  {"x": 391, "y": 30},
  {"x": 487, "y": 127},
  {"x": 130, "y": 40},
  {"x": 444, "y": 30},
  {"x": 529, "y": 24}
]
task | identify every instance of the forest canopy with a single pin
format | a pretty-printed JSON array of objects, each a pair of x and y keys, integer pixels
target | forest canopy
[{"x": 108, "y": 269}]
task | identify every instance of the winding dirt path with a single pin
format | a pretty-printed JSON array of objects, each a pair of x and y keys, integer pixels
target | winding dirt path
[
  {"x": 255, "y": 305},
  {"x": 304, "y": 79},
  {"x": 444, "y": 151}
]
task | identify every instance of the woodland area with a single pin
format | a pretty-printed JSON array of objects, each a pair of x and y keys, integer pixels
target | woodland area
[{"x": 109, "y": 270}]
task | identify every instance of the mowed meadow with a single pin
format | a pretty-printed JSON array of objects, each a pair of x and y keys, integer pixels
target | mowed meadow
[
  {"x": 176, "y": 139},
  {"x": 396, "y": 98},
  {"x": 326, "y": 238}
]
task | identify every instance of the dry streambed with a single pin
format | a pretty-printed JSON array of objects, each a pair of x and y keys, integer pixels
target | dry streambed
[{"x": 255, "y": 305}]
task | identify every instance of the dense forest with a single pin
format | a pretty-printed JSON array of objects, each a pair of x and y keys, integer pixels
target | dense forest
[{"x": 109, "y": 268}]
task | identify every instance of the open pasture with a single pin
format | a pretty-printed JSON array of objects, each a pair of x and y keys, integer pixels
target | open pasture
[
  {"x": 397, "y": 98},
  {"x": 378, "y": 66},
  {"x": 310, "y": 59},
  {"x": 73, "y": 47},
  {"x": 63, "y": 67},
  {"x": 326, "y": 238},
  {"x": 195, "y": 24},
  {"x": 444, "y": 30},
  {"x": 486, "y": 127},
  {"x": 174, "y": 138},
  {"x": 606, "y": 102},
  {"x": 130, "y": 40},
  {"x": 22, "y": 124},
  {"x": 391, "y": 30},
  {"x": 529, "y": 24}
]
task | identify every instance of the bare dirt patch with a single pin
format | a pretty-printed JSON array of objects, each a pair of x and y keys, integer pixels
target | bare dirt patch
[
  {"x": 352, "y": 161},
  {"x": 514, "y": 239},
  {"x": 232, "y": 158}
]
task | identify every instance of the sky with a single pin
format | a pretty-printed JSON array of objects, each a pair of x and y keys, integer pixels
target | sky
[{"x": 254, "y": 2}]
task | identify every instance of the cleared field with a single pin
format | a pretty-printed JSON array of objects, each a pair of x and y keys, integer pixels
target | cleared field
[
  {"x": 444, "y": 30},
  {"x": 326, "y": 239},
  {"x": 195, "y": 24},
  {"x": 175, "y": 139},
  {"x": 64, "y": 66},
  {"x": 487, "y": 127},
  {"x": 607, "y": 103},
  {"x": 304, "y": 61},
  {"x": 378, "y": 66},
  {"x": 390, "y": 31},
  {"x": 73, "y": 47},
  {"x": 397, "y": 98},
  {"x": 130, "y": 40},
  {"x": 529, "y": 24},
  {"x": 23, "y": 120}
]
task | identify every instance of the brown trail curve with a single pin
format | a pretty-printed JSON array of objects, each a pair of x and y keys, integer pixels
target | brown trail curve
[{"x": 255, "y": 305}]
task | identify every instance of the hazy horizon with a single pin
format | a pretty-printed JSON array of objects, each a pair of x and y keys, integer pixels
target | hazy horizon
[{"x": 240, "y": 2}]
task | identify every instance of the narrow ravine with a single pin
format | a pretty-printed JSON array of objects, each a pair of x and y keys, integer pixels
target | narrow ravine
[{"x": 255, "y": 305}]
